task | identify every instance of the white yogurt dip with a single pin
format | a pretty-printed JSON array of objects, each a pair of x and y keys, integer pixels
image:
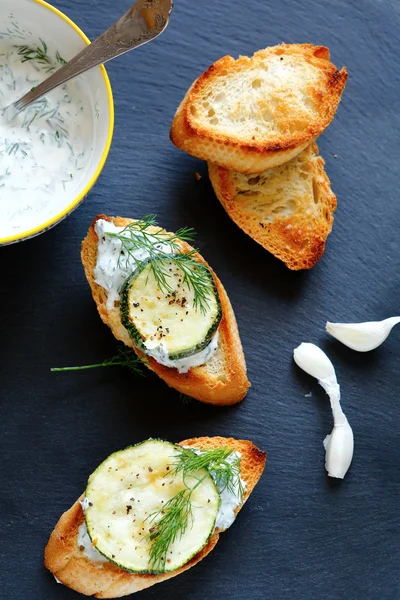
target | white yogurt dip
[
  {"x": 45, "y": 149},
  {"x": 113, "y": 267}
]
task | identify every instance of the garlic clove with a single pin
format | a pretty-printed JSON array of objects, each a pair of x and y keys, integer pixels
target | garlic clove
[
  {"x": 315, "y": 362},
  {"x": 362, "y": 337},
  {"x": 339, "y": 445},
  {"x": 339, "y": 449}
]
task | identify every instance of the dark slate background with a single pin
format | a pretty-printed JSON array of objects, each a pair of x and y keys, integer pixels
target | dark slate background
[{"x": 301, "y": 535}]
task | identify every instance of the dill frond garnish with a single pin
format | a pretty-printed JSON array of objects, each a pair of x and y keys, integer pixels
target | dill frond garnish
[
  {"x": 60, "y": 59},
  {"x": 176, "y": 515},
  {"x": 40, "y": 55},
  {"x": 161, "y": 249},
  {"x": 226, "y": 473},
  {"x": 124, "y": 358},
  {"x": 173, "y": 519},
  {"x": 16, "y": 148}
]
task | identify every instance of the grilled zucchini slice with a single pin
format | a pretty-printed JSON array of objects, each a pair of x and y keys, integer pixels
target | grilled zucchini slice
[
  {"x": 129, "y": 487},
  {"x": 153, "y": 317}
]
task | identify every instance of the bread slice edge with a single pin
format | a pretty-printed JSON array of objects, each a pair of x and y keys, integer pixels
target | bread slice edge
[
  {"x": 230, "y": 151},
  {"x": 298, "y": 240}
]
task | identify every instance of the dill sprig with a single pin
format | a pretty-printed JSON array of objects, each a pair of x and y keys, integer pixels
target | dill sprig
[
  {"x": 161, "y": 249},
  {"x": 225, "y": 472},
  {"x": 172, "y": 520},
  {"x": 39, "y": 53},
  {"x": 226, "y": 475},
  {"x": 14, "y": 148},
  {"x": 60, "y": 59},
  {"x": 124, "y": 358},
  {"x": 176, "y": 515}
]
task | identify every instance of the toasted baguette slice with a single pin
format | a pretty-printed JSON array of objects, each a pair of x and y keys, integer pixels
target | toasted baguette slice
[
  {"x": 252, "y": 114},
  {"x": 287, "y": 209},
  {"x": 64, "y": 559},
  {"x": 222, "y": 380}
]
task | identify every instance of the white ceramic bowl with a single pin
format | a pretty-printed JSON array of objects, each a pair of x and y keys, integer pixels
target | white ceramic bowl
[{"x": 38, "y": 20}]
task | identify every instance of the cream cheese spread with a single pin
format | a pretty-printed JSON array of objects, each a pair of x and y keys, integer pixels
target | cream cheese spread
[
  {"x": 113, "y": 267},
  {"x": 183, "y": 365},
  {"x": 85, "y": 546},
  {"x": 231, "y": 499}
]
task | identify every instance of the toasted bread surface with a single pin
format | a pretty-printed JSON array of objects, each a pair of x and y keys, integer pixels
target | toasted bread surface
[
  {"x": 222, "y": 380},
  {"x": 288, "y": 209},
  {"x": 105, "y": 580},
  {"x": 252, "y": 114}
]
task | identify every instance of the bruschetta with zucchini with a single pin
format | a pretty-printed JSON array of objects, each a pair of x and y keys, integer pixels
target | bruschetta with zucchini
[
  {"x": 160, "y": 297},
  {"x": 150, "y": 512}
]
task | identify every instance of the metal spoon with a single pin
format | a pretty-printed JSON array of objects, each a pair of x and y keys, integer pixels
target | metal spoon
[{"x": 143, "y": 22}]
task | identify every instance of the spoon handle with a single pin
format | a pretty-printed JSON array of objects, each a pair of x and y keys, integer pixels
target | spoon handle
[{"x": 143, "y": 22}]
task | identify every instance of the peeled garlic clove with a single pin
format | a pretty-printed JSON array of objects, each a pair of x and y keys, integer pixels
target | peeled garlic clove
[
  {"x": 315, "y": 362},
  {"x": 339, "y": 448},
  {"x": 339, "y": 444},
  {"x": 362, "y": 337}
]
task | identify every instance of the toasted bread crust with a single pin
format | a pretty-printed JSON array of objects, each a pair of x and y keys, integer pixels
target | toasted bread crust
[
  {"x": 65, "y": 560},
  {"x": 228, "y": 386},
  {"x": 299, "y": 239},
  {"x": 257, "y": 153}
]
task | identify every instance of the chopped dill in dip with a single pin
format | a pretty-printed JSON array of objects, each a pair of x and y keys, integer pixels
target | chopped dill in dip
[{"x": 45, "y": 149}]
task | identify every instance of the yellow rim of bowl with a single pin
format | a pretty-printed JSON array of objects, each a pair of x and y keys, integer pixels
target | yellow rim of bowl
[{"x": 86, "y": 190}]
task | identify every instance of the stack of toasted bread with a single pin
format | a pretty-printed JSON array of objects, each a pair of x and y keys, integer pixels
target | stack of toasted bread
[{"x": 255, "y": 121}]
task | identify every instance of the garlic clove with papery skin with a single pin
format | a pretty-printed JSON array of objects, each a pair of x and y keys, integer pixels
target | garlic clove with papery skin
[
  {"x": 339, "y": 448},
  {"x": 362, "y": 337}
]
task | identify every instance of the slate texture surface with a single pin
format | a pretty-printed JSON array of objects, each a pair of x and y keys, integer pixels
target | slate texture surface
[{"x": 301, "y": 535}]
